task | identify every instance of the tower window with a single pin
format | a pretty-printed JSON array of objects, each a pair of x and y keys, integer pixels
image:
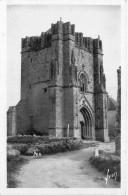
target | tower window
[{"x": 83, "y": 83}]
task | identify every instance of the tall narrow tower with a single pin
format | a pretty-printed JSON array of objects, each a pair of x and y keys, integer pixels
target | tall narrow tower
[
  {"x": 55, "y": 92},
  {"x": 101, "y": 122},
  {"x": 62, "y": 85}
]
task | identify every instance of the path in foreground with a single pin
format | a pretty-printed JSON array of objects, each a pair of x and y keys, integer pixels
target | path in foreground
[{"x": 63, "y": 170}]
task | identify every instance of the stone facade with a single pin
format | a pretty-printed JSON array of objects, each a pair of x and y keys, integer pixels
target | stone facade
[
  {"x": 111, "y": 117},
  {"x": 11, "y": 121},
  {"x": 118, "y": 114},
  {"x": 63, "y": 84}
]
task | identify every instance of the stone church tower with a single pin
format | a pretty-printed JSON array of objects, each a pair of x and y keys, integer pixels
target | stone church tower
[{"x": 62, "y": 85}]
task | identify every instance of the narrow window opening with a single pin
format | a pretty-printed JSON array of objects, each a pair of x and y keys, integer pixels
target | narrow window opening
[
  {"x": 83, "y": 83},
  {"x": 45, "y": 90},
  {"x": 83, "y": 87}
]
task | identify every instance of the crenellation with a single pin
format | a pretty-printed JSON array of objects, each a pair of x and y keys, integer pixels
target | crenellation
[
  {"x": 36, "y": 43},
  {"x": 66, "y": 28},
  {"x": 25, "y": 41},
  {"x": 59, "y": 27},
  {"x": 73, "y": 29},
  {"x": 97, "y": 45},
  {"x": 85, "y": 43},
  {"x": 47, "y": 40},
  {"x": 81, "y": 39},
  {"x": 42, "y": 39},
  {"x": 76, "y": 38},
  {"x": 54, "y": 29}
]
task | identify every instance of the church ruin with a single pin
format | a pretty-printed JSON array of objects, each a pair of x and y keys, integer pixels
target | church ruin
[{"x": 62, "y": 85}]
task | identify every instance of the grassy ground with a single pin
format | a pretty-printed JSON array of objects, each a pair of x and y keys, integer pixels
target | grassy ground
[
  {"x": 104, "y": 162},
  {"x": 13, "y": 166}
]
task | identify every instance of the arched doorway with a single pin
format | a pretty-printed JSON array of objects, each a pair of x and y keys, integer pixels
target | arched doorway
[{"x": 86, "y": 123}]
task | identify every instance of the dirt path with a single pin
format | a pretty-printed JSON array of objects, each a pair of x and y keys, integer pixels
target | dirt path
[{"x": 63, "y": 170}]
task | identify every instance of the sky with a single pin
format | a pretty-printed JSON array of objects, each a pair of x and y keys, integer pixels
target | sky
[{"x": 31, "y": 20}]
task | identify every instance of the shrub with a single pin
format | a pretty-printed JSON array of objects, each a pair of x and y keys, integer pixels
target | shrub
[
  {"x": 21, "y": 147},
  {"x": 35, "y": 132},
  {"x": 45, "y": 144},
  {"x": 60, "y": 146},
  {"x": 36, "y": 139}
]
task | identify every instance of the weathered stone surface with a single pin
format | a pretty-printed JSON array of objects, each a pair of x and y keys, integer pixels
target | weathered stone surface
[
  {"x": 53, "y": 92},
  {"x": 11, "y": 121},
  {"x": 118, "y": 114}
]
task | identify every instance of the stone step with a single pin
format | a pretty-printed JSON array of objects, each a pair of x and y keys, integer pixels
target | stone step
[{"x": 87, "y": 143}]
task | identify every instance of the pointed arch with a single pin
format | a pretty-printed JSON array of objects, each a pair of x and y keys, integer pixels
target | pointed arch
[{"x": 88, "y": 122}]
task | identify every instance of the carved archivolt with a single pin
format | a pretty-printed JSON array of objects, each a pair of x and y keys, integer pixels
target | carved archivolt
[{"x": 84, "y": 102}]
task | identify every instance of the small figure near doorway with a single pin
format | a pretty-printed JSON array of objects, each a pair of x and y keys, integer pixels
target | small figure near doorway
[{"x": 82, "y": 129}]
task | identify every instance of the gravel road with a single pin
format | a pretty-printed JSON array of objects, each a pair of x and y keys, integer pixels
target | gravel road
[{"x": 64, "y": 170}]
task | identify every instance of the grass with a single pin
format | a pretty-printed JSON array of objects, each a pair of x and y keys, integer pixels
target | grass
[
  {"x": 13, "y": 165},
  {"x": 103, "y": 163}
]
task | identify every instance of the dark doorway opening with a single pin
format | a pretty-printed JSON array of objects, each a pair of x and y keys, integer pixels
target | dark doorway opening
[{"x": 86, "y": 125}]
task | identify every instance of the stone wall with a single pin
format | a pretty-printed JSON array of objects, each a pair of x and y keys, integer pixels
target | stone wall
[
  {"x": 101, "y": 120},
  {"x": 39, "y": 106},
  {"x": 11, "y": 121},
  {"x": 34, "y": 88},
  {"x": 118, "y": 114},
  {"x": 111, "y": 116},
  {"x": 23, "y": 121},
  {"x": 111, "y": 122},
  {"x": 39, "y": 64}
]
